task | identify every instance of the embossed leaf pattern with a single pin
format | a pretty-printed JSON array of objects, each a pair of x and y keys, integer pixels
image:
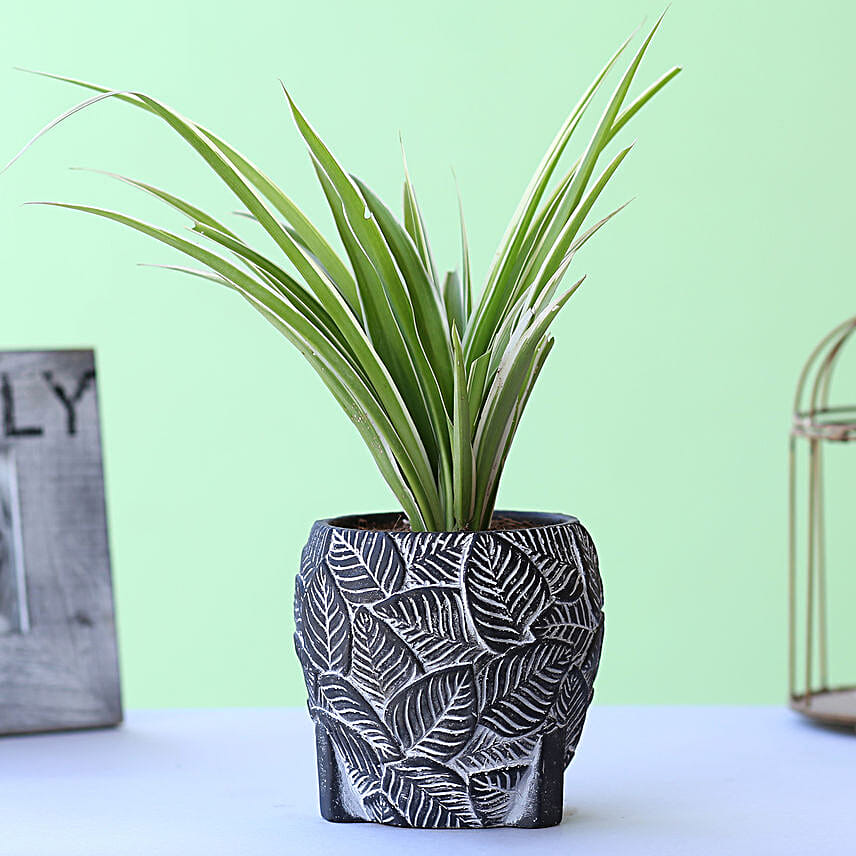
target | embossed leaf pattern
[
  {"x": 381, "y": 810},
  {"x": 572, "y": 702},
  {"x": 431, "y": 557},
  {"x": 520, "y": 687},
  {"x": 588, "y": 556},
  {"x": 441, "y": 665},
  {"x": 592, "y": 655},
  {"x": 325, "y": 624},
  {"x": 572, "y": 698},
  {"x": 310, "y": 676},
  {"x": 428, "y": 794},
  {"x": 366, "y": 564},
  {"x": 488, "y": 749},
  {"x": 435, "y": 716},
  {"x": 340, "y": 698},
  {"x": 566, "y": 622},
  {"x": 554, "y": 552},
  {"x": 433, "y": 621},
  {"x": 360, "y": 758},
  {"x": 381, "y": 662},
  {"x": 299, "y": 592},
  {"x": 313, "y": 553},
  {"x": 492, "y": 792},
  {"x": 504, "y": 591}
]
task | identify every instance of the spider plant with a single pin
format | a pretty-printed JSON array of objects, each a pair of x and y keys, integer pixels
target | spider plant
[{"x": 434, "y": 377}]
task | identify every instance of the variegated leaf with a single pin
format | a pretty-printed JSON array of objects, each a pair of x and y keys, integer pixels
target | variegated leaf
[
  {"x": 428, "y": 794},
  {"x": 567, "y": 622},
  {"x": 366, "y": 564},
  {"x": 325, "y": 625},
  {"x": 519, "y": 688},
  {"x": 488, "y": 749},
  {"x": 553, "y": 551},
  {"x": 432, "y": 558},
  {"x": 435, "y": 716},
  {"x": 493, "y": 791},
  {"x": 340, "y": 698},
  {"x": 431, "y": 620},
  {"x": 504, "y": 591},
  {"x": 380, "y": 662}
]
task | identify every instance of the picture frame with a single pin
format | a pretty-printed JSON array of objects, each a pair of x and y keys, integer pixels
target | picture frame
[{"x": 58, "y": 651}]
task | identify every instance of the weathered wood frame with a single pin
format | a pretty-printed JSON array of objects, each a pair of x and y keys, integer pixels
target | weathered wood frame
[{"x": 58, "y": 668}]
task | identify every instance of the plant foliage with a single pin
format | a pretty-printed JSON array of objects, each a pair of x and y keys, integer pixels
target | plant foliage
[{"x": 434, "y": 377}]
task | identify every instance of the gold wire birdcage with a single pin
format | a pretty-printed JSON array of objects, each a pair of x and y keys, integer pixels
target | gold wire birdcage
[{"x": 818, "y": 423}]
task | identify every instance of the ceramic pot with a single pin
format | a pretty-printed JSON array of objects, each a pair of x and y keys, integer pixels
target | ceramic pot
[{"x": 448, "y": 673}]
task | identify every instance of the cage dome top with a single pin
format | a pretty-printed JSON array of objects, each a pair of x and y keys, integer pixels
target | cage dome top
[{"x": 814, "y": 416}]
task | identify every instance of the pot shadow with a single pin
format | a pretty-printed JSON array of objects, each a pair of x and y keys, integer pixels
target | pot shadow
[{"x": 816, "y": 726}]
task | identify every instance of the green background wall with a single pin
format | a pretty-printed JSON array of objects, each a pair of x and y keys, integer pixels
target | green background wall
[{"x": 662, "y": 416}]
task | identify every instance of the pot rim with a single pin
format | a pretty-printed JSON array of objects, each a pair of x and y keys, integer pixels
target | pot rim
[{"x": 536, "y": 519}]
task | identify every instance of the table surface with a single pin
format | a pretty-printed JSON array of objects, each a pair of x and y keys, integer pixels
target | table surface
[{"x": 647, "y": 780}]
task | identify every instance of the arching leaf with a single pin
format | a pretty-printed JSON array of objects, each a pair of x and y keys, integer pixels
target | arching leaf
[
  {"x": 504, "y": 591},
  {"x": 493, "y": 791},
  {"x": 488, "y": 749},
  {"x": 570, "y": 709},
  {"x": 553, "y": 551},
  {"x": 360, "y": 760},
  {"x": 519, "y": 688},
  {"x": 572, "y": 700},
  {"x": 341, "y": 699},
  {"x": 567, "y": 622},
  {"x": 432, "y": 558},
  {"x": 591, "y": 566},
  {"x": 381, "y": 810},
  {"x": 432, "y": 620},
  {"x": 592, "y": 657},
  {"x": 428, "y": 794},
  {"x": 381, "y": 662},
  {"x": 310, "y": 675},
  {"x": 435, "y": 716},
  {"x": 365, "y": 564},
  {"x": 325, "y": 626}
]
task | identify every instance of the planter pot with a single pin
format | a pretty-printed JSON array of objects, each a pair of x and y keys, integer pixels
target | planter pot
[{"x": 448, "y": 673}]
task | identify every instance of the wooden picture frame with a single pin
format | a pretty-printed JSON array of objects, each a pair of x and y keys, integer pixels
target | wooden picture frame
[{"x": 58, "y": 654}]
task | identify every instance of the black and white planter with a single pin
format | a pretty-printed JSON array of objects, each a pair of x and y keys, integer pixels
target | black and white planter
[{"x": 448, "y": 673}]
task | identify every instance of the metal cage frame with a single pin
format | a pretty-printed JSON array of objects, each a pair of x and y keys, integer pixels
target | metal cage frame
[{"x": 818, "y": 423}]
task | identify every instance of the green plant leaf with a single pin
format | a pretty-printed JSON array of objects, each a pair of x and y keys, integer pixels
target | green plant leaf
[
  {"x": 548, "y": 254},
  {"x": 463, "y": 460},
  {"x": 476, "y": 385},
  {"x": 429, "y": 320},
  {"x": 599, "y": 139},
  {"x": 498, "y": 413},
  {"x": 310, "y": 236},
  {"x": 435, "y": 385},
  {"x": 492, "y": 298},
  {"x": 415, "y": 225},
  {"x": 300, "y": 329},
  {"x": 402, "y": 356},
  {"x": 453, "y": 298},
  {"x": 466, "y": 299}
]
